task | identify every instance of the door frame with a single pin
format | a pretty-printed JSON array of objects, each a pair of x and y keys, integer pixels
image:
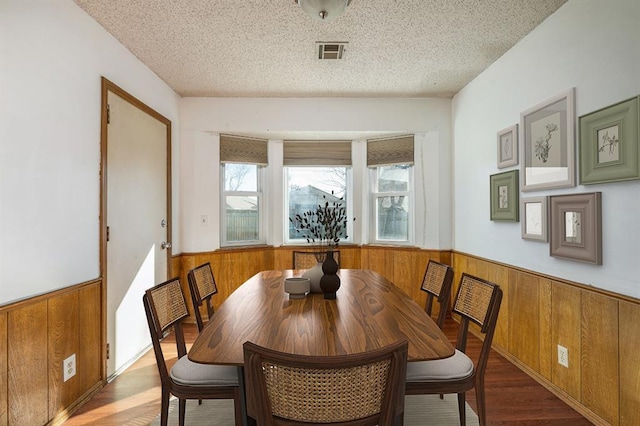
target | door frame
[{"x": 108, "y": 86}]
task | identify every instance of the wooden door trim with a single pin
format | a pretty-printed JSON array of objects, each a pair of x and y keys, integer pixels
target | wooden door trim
[{"x": 106, "y": 87}]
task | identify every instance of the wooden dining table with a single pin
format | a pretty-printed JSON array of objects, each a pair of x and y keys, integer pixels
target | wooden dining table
[{"x": 368, "y": 313}]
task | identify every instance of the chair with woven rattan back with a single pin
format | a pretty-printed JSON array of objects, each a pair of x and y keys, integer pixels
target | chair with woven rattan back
[
  {"x": 309, "y": 259},
  {"x": 436, "y": 283},
  {"x": 477, "y": 301},
  {"x": 202, "y": 286},
  {"x": 356, "y": 389},
  {"x": 165, "y": 307}
]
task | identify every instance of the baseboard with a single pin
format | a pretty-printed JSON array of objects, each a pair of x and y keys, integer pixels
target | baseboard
[{"x": 64, "y": 415}]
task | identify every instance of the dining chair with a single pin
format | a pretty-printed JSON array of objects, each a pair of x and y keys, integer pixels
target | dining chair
[
  {"x": 202, "y": 286},
  {"x": 436, "y": 282},
  {"x": 309, "y": 259},
  {"x": 355, "y": 389},
  {"x": 165, "y": 307},
  {"x": 477, "y": 301}
]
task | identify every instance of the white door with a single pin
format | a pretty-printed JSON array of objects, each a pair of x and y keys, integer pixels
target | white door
[{"x": 136, "y": 218}]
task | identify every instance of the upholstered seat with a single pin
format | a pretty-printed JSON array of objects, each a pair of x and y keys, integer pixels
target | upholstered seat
[
  {"x": 189, "y": 373},
  {"x": 458, "y": 366}
]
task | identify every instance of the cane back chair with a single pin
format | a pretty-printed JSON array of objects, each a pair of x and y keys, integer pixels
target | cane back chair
[
  {"x": 165, "y": 307},
  {"x": 202, "y": 286},
  {"x": 356, "y": 389},
  {"x": 437, "y": 284},
  {"x": 477, "y": 301}
]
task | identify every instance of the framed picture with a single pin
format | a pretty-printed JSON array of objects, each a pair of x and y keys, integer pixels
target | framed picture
[
  {"x": 534, "y": 218},
  {"x": 576, "y": 227},
  {"x": 548, "y": 141},
  {"x": 508, "y": 147},
  {"x": 609, "y": 143},
  {"x": 504, "y": 196}
]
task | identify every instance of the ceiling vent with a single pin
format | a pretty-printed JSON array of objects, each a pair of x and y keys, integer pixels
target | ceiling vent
[{"x": 331, "y": 50}]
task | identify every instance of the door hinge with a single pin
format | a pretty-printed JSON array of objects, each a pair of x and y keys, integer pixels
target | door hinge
[
  {"x": 108, "y": 114},
  {"x": 108, "y": 351},
  {"x": 107, "y": 234}
]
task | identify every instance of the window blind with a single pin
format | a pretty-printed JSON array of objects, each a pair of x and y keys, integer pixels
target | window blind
[
  {"x": 317, "y": 153},
  {"x": 239, "y": 149},
  {"x": 390, "y": 151}
]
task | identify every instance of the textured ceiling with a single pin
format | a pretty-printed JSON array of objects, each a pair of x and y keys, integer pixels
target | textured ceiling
[{"x": 266, "y": 48}]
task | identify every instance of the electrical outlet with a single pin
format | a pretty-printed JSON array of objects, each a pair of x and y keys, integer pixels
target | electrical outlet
[
  {"x": 563, "y": 356},
  {"x": 69, "y": 367}
]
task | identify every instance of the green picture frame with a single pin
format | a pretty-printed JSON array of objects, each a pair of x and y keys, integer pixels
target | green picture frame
[
  {"x": 505, "y": 196},
  {"x": 609, "y": 147}
]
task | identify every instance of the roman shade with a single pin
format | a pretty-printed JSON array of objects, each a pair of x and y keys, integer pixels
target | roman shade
[
  {"x": 390, "y": 151},
  {"x": 239, "y": 149},
  {"x": 317, "y": 153}
]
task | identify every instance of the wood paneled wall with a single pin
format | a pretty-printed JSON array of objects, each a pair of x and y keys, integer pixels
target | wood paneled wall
[
  {"x": 600, "y": 330},
  {"x": 36, "y": 335}
]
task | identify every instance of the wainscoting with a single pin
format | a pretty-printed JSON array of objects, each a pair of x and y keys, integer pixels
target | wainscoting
[
  {"x": 601, "y": 330},
  {"x": 36, "y": 336}
]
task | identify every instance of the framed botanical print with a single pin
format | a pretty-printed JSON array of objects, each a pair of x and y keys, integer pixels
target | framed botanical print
[
  {"x": 508, "y": 147},
  {"x": 609, "y": 143},
  {"x": 548, "y": 140},
  {"x": 576, "y": 227},
  {"x": 504, "y": 196},
  {"x": 534, "y": 218}
]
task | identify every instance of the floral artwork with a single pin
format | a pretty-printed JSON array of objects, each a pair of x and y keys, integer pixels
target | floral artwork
[
  {"x": 546, "y": 136},
  {"x": 608, "y": 142}
]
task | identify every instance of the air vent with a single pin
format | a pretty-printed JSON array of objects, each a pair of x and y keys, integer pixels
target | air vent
[{"x": 331, "y": 50}]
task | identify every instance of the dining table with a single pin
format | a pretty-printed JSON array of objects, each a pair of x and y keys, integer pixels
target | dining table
[{"x": 369, "y": 312}]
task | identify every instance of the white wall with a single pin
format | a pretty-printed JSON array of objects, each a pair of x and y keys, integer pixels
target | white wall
[
  {"x": 52, "y": 56},
  {"x": 591, "y": 45},
  {"x": 203, "y": 119}
]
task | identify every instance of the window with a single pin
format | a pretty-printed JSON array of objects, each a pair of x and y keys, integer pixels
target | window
[
  {"x": 242, "y": 201},
  {"x": 307, "y": 187},
  {"x": 391, "y": 200},
  {"x": 241, "y": 196},
  {"x": 315, "y": 172},
  {"x": 391, "y": 162}
]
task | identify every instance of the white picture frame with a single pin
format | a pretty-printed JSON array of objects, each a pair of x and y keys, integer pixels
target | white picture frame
[
  {"x": 508, "y": 147},
  {"x": 535, "y": 218}
]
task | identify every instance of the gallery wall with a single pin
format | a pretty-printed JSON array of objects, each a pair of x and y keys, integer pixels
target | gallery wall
[
  {"x": 594, "y": 47},
  {"x": 53, "y": 56}
]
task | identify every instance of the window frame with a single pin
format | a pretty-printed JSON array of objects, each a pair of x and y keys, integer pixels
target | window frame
[
  {"x": 373, "y": 207},
  {"x": 259, "y": 194}
]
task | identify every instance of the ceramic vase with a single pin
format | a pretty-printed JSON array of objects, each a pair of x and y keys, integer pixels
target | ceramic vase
[
  {"x": 314, "y": 274},
  {"x": 330, "y": 281}
]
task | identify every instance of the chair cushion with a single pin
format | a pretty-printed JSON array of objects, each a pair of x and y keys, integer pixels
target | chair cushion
[
  {"x": 457, "y": 366},
  {"x": 186, "y": 372}
]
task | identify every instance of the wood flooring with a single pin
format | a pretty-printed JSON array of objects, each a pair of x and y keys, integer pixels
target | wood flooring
[{"x": 512, "y": 397}]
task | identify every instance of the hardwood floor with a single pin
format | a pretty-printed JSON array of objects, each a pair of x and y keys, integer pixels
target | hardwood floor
[{"x": 512, "y": 397}]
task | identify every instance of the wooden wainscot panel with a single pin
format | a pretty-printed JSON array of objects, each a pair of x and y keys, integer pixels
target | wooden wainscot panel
[
  {"x": 546, "y": 359},
  {"x": 407, "y": 272},
  {"x": 27, "y": 357},
  {"x": 380, "y": 259},
  {"x": 600, "y": 384},
  {"x": 524, "y": 321},
  {"x": 629, "y": 364},
  {"x": 565, "y": 318},
  {"x": 500, "y": 275},
  {"x": 62, "y": 343},
  {"x": 89, "y": 371},
  {"x": 3, "y": 370}
]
